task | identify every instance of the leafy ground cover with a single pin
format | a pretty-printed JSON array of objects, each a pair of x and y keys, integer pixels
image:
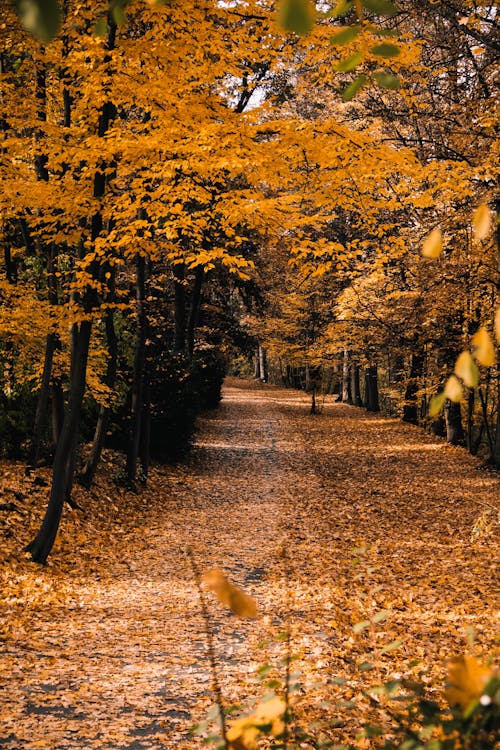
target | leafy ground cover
[{"x": 371, "y": 542}]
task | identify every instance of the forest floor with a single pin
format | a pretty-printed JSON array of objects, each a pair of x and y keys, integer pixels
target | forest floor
[{"x": 326, "y": 520}]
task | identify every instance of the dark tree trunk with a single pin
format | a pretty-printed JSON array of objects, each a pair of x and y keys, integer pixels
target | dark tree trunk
[
  {"x": 495, "y": 459},
  {"x": 371, "y": 389},
  {"x": 139, "y": 371},
  {"x": 410, "y": 408},
  {"x": 256, "y": 361},
  {"x": 57, "y": 399},
  {"x": 87, "y": 476},
  {"x": 43, "y": 400},
  {"x": 453, "y": 418},
  {"x": 41, "y": 546},
  {"x": 179, "y": 309},
  {"x": 194, "y": 309},
  {"x": 355, "y": 385},
  {"x": 346, "y": 379},
  {"x": 144, "y": 447}
]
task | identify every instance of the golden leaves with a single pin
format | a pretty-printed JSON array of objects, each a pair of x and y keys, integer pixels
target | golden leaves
[
  {"x": 466, "y": 369},
  {"x": 467, "y": 680},
  {"x": 484, "y": 350},
  {"x": 232, "y": 596},
  {"x": 433, "y": 244},
  {"x": 481, "y": 222},
  {"x": 268, "y": 718}
]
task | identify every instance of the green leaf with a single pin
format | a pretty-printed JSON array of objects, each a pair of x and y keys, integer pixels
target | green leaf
[
  {"x": 118, "y": 12},
  {"x": 382, "y": 615},
  {"x": 371, "y": 731},
  {"x": 346, "y": 35},
  {"x": 353, "y": 88},
  {"x": 387, "y": 81},
  {"x": 297, "y": 16},
  {"x": 340, "y": 9},
  {"x": 359, "y": 626},
  {"x": 385, "y": 50},
  {"x": 41, "y": 17},
  {"x": 101, "y": 26},
  {"x": 381, "y": 7},
  {"x": 436, "y": 404},
  {"x": 350, "y": 63},
  {"x": 365, "y": 666},
  {"x": 391, "y": 647}
]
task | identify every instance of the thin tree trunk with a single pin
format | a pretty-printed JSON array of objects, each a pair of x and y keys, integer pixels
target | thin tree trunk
[
  {"x": 256, "y": 360},
  {"x": 346, "y": 379},
  {"x": 194, "y": 310},
  {"x": 87, "y": 476},
  {"x": 263, "y": 364},
  {"x": 43, "y": 400},
  {"x": 139, "y": 371},
  {"x": 179, "y": 309},
  {"x": 371, "y": 388},
  {"x": 453, "y": 419},
  {"x": 355, "y": 385},
  {"x": 496, "y": 451},
  {"x": 410, "y": 408}
]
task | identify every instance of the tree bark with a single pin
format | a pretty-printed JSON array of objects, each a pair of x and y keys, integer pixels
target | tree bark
[
  {"x": 139, "y": 371},
  {"x": 194, "y": 309},
  {"x": 262, "y": 365},
  {"x": 371, "y": 388},
  {"x": 355, "y": 385},
  {"x": 410, "y": 408},
  {"x": 346, "y": 379},
  {"x": 179, "y": 309},
  {"x": 453, "y": 419}
]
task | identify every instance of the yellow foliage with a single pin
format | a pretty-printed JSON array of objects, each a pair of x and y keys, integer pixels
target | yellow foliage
[
  {"x": 467, "y": 679},
  {"x": 484, "y": 351},
  {"x": 433, "y": 244},
  {"x": 268, "y": 719},
  {"x": 481, "y": 221},
  {"x": 232, "y": 596}
]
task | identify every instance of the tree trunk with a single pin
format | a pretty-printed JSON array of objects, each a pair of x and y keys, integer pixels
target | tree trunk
[
  {"x": 410, "y": 408},
  {"x": 179, "y": 309},
  {"x": 43, "y": 400},
  {"x": 453, "y": 418},
  {"x": 87, "y": 476},
  {"x": 194, "y": 310},
  {"x": 371, "y": 388},
  {"x": 346, "y": 380},
  {"x": 262, "y": 365},
  {"x": 355, "y": 385},
  {"x": 496, "y": 451},
  {"x": 139, "y": 371},
  {"x": 41, "y": 546}
]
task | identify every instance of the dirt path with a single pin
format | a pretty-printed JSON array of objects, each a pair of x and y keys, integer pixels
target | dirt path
[{"x": 105, "y": 648}]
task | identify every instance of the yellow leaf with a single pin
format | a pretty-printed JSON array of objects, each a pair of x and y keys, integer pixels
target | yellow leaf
[
  {"x": 467, "y": 679},
  {"x": 436, "y": 404},
  {"x": 243, "y": 733},
  {"x": 481, "y": 221},
  {"x": 497, "y": 325},
  {"x": 453, "y": 389},
  {"x": 231, "y": 596},
  {"x": 484, "y": 350},
  {"x": 466, "y": 369},
  {"x": 433, "y": 244}
]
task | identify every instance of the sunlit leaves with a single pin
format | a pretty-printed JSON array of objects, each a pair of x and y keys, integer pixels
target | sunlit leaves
[
  {"x": 433, "y": 244},
  {"x": 436, "y": 404},
  {"x": 266, "y": 719},
  {"x": 466, "y": 369},
  {"x": 340, "y": 9},
  {"x": 453, "y": 389},
  {"x": 497, "y": 325},
  {"x": 41, "y": 17},
  {"x": 481, "y": 222},
  {"x": 346, "y": 35},
  {"x": 297, "y": 16},
  {"x": 467, "y": 680},
  {"x": 484, "y": 350},
  {"x": 232, "y": 596}
]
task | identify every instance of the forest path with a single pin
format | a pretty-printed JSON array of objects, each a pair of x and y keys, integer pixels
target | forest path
[{"x": 105, "y": 647}]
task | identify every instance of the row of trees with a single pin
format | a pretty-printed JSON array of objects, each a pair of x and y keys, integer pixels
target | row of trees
[
  {"x": 373, "y": 304},
  {"x": 183, "y": 180}
]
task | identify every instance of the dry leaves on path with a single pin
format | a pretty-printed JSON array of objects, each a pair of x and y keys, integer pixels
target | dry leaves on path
[{"x": 354, "y": 531}]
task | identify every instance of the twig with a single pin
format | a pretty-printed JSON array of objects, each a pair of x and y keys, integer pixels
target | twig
[{"x": 210, "y": 647}]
